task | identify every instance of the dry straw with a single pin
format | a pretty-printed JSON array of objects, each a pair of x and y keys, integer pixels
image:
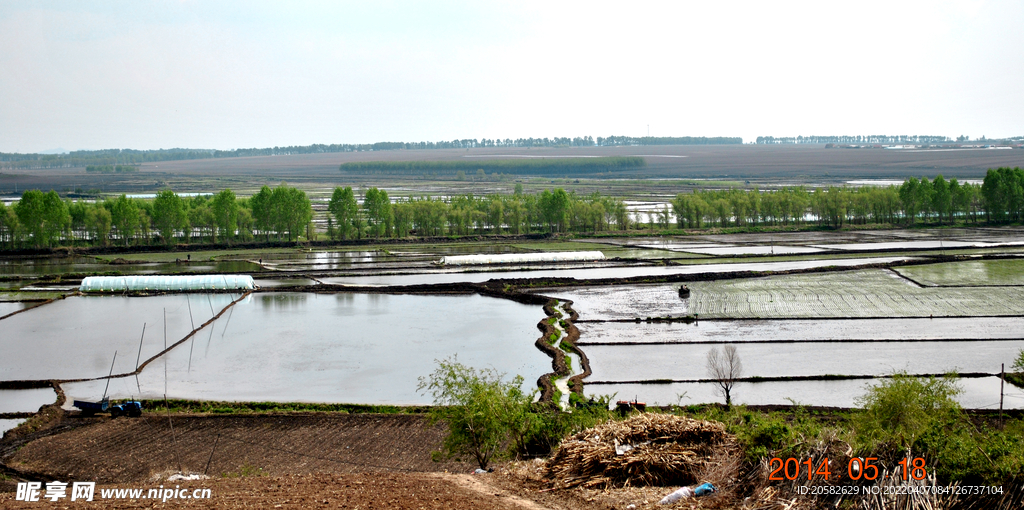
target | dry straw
[{"x": 646, "y": 449}]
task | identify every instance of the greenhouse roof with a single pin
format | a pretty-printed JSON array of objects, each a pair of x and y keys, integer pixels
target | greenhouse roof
[{"x": 173, "y": 283}]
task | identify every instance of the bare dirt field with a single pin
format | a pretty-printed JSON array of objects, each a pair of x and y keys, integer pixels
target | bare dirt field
[
  {"x": 135, "y": 450},
  {"x": 288, "y": 461},
  {"x": 785, "y": 164}
]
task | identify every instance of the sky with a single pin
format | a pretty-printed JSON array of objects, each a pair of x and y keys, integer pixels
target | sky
[{"x": 237, "y": 74}]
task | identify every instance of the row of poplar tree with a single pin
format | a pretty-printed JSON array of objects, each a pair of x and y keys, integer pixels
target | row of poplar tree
[
  {"x": 45, "y": 220},
  {"x": 285, "y": 213}
]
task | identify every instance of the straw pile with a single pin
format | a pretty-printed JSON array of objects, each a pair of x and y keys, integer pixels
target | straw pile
[{"x": 646, "y": 449}]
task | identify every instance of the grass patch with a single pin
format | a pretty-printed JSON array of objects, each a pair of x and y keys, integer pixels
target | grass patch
[{"x": 955, "y": 448}]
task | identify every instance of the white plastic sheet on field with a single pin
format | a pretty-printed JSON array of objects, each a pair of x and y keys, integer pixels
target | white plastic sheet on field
[
  {"x": 514, "y": 258},
  {"x": 156, "y": 282}
]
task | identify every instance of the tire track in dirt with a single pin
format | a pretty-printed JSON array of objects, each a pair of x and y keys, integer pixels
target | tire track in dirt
[{"x": 473, "y": 483}]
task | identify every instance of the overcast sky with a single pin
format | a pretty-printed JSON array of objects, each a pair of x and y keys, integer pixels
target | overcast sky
[{"x": 224, "y": 75}]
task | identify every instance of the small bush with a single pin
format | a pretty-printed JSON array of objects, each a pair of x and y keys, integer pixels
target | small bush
[
  {"x": 486, "y": 415},
  {"x": 902, "y": 408}
]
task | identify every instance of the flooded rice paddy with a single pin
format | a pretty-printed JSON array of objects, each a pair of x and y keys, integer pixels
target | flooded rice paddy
[
  {"x": 904, "y": 245},
  {"x": 847, "y": 294},
  {"x": 968, "y": 273},
  {"x": 32, "y": 267},
  {"x": 756, "y": 250},
  {"x": 981, "y": 393},
  {"x": 806, "y": 330},
  {"x": 602, "y": 272},
  {"x": 277, "y": 345},
  {"x": 682, "y": 362},
  {"x": 76, "y": 337},
  {"x": 9, "y": 307},
  {"x": 362, "y": 348},
  {"x": 864, "y": 293},
  {"x": 25, "y": 401},
  {"x": 8, "y": 424}
]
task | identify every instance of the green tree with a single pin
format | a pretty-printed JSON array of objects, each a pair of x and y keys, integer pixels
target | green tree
[
  {"x": 200, "y": 218},
  {"x": 262, "y": 205},
  {"x": 44, "y": 216},
  {"x": 402, "y": 213},
  {"x": 225, "y": 214},
  {"x": 486, "y": 415},
  {"x": 292, "y": 210},
  {"x": 8, "y": 226},
  {"x": 1003, "y": 192},
  {"x": 78, "y": 212},
  {"x": 98, "y": 221},
  {"x": 245, "y": 222},
  {"x": 942, "y": 199},
  {"x": 169, "y": 215},
  {"x": 30, "y": 215},
  {"x": 495, "y": 212},
  {"x": 345, "y": 209},
  {"x": 554, "y": 206},
  {"x": 378, "y": 211},
  {"x": 909, "y": 199},
  {"x": 126, "y": 218}
]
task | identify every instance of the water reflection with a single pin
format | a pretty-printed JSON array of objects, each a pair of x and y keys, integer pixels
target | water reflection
[
  {"x": 8, "y": 424},
  {"x": 684, "y": 361},
  {"x": 282, "y": 301},
  {"x": 77, "y": 337},
  {"x": 362, "y": 348},
  {"x": 26, "y": 401}
]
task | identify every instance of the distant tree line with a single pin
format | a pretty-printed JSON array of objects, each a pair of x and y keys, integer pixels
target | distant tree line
[
  {"x": 45, "y": 220},
  {"x": 669, "y": 140},
  {"x": 135, "y": 157},
  {"x": 531, "y": 166},
  {"x": 921, "y": 139},
  {"x": 109, "y": 169},
  {"x": 41, "y": 220}
]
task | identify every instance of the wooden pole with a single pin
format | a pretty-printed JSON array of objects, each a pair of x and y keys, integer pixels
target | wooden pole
[{"x": 1002, "y": 380}]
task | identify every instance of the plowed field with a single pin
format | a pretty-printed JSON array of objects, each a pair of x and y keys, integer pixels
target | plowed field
[
  {"x": 140, "y": 449},
  {"x": 280, "y": 461}
]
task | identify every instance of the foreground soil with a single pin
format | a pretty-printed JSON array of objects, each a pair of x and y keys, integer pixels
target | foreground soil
[
  {"x": 295, "y": 460},
  {"x": 322, "y": 490},
  {"x": 139, "y": 449},
  {"x": 509, "y": 488}
]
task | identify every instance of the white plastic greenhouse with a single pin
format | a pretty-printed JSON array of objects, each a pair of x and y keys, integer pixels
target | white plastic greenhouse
[
  {"x": 515, "y": 258},
  {"x": 156, "y": 282}
]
